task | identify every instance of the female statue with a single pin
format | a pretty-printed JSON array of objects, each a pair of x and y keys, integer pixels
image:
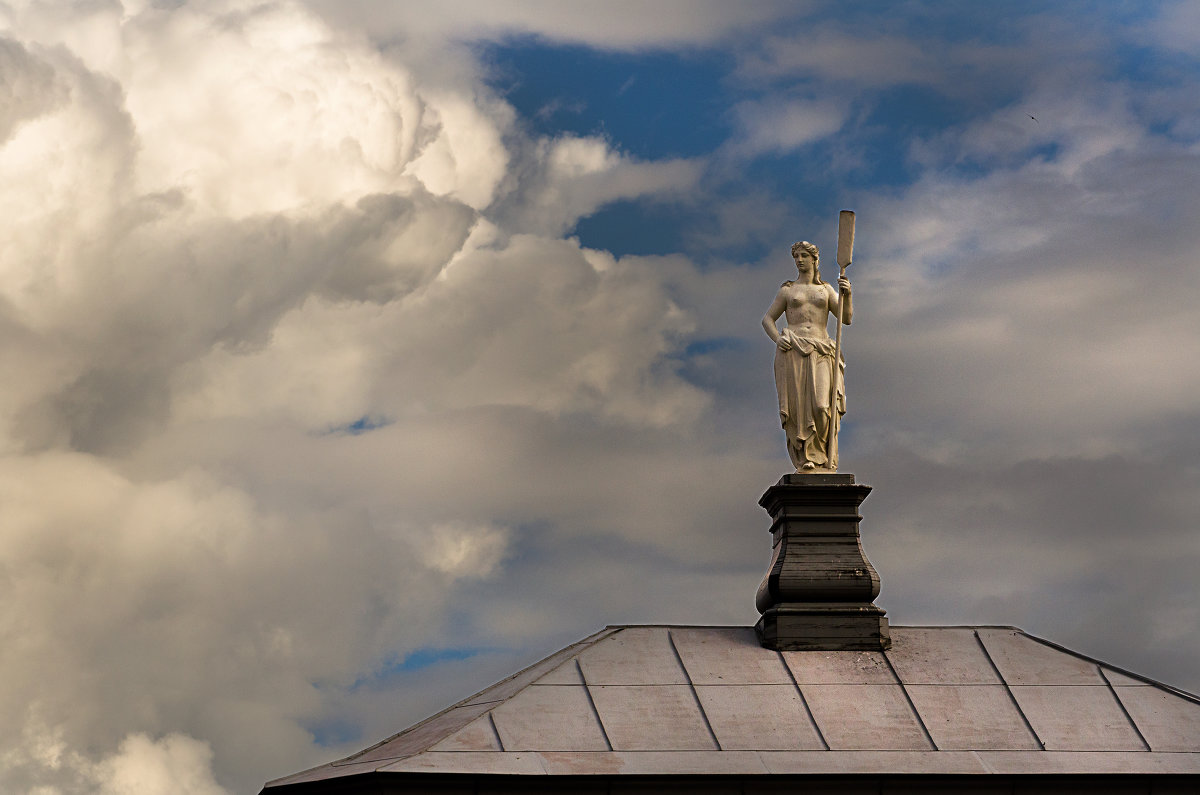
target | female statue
[{"x": 804, "y": 358}]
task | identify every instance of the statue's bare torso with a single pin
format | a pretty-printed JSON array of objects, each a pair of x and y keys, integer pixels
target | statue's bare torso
[
  {"x": 806, "y": 302},
  {"x": 806, "y": 307}
]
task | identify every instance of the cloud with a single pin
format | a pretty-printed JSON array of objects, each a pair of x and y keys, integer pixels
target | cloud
[
  {"x": 174, "y": 764},
  {"x": 189, "y": 605},
  {"x": 1020, "y": 280},
  {"x": 568, "y": 178},
  {"x": 30, "y": 88},
  {"x": 1176, "y": 25},
  {"x": 780, "y": 126},
  {"x": 620, "y": 25},
  {"x": 230, "y": 231},
  {"x": 466, "y": 550},
  {"x": 465, "y": 159},
  {"x": 861, "y": 60},
  {"x": 843, "y": 57}
]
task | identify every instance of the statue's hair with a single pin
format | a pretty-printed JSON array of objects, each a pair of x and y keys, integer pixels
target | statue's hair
[{"x": 804, "y": 245}]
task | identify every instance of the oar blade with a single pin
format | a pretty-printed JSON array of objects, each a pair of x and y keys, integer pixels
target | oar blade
[{"x": 845, "y": 249}]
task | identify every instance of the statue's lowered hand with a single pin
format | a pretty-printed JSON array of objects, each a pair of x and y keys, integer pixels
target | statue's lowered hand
[{"x": 785, "y": 340}]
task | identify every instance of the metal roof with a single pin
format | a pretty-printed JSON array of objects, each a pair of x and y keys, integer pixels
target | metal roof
[{"x": 686, "y": 700}]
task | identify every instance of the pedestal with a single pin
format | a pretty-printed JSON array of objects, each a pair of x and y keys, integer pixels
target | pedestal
[{"x": 819, "y": 589}]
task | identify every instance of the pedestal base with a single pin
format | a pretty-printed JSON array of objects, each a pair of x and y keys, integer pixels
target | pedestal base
[
  {"x": 800, "y": 627},
  {"x": 819, "y": 589}
]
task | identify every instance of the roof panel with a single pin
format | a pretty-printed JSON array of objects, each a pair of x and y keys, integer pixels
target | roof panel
[
  {"x": 478, "y": 735},
  {"x": 1168, "y": 722},
  {"x": 1022, "y": 660},
  {"x": 749, "y": 717},
  {"x": 839, "y": 667},
  {"x": 972, "y": 717},
  {"x": 940, "y": 656},
  {"x": 865, "y": 717},
  {"x": 549, "y": 718},
  {"x": 1081, "y": 718},
  {"x": 652, "y": 718},
  {"x": 565, "y": 674},
  {"x": 633, "y": 656},
  {"x": 728, "y": 655},
  {"x": 522, "y": 679},
  {"x": 1116, "y": 678}
]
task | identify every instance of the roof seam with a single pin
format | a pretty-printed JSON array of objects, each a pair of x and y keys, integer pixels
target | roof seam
[
  {"x": 695, "y": 695},
  {"x": 803, "y": 700},
  {"x": 496, "y": 731},
  {"x": 592, "y": 703},
  {"x": 909, "y": 701},
  {"x": 1008, "y": 689},
  {"x": 1124, "y": 711}
]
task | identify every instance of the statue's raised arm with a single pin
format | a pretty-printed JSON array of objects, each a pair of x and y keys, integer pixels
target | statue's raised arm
[{"x": 804, "y": 361}]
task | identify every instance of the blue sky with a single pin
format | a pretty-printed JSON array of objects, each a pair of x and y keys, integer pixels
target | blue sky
[{"x": 364, "y": 353}]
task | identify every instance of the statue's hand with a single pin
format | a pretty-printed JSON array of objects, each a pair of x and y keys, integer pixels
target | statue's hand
[
  {"x": 843, "y": 284},
  {"x": 783, "y": 342}
]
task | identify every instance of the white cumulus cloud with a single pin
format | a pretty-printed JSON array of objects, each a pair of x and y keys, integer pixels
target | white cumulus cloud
[{"x": 267, "y": 290}]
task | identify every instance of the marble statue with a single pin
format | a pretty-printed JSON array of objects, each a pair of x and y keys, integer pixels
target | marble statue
[{"x": 804, "y": 356}]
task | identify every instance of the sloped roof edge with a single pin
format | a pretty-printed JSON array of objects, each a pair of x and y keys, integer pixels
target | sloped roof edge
[{"x": 519, "y": 676}]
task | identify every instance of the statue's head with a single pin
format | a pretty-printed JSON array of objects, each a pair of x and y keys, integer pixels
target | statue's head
[{"x": 805, "y": 246}]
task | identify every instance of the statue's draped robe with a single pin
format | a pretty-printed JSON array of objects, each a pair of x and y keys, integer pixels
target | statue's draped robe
[{"x": 802, "y": 381}]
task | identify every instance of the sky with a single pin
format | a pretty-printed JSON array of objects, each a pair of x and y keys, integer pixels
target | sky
[{"x": 360, "y": 353}]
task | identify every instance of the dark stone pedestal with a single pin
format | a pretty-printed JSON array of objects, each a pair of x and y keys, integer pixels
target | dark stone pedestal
[{"x": 820, "y": 587}]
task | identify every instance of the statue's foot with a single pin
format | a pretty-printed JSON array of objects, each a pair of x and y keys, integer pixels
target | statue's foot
[{"x": 809, "y": 465}]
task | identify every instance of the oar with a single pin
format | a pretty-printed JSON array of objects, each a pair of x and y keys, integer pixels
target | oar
[{"x": 845, "y": 253}]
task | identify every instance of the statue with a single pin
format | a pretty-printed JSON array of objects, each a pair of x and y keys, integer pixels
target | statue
[{"x": 804, "y": 354}]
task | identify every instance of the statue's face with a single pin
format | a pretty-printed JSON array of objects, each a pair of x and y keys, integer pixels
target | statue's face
[{"x": 805, "y": 265}]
